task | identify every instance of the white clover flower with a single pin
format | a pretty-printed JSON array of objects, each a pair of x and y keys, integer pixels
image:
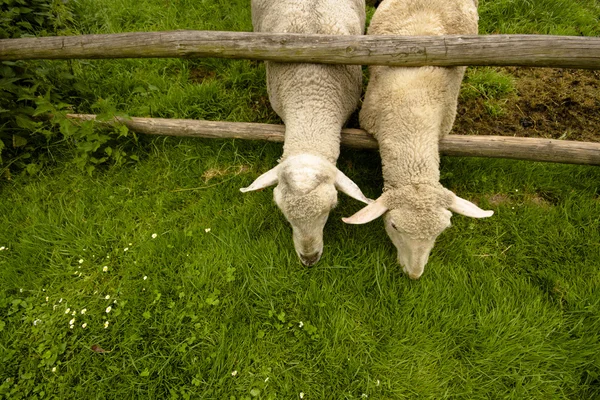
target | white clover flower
[
  {"x": 107, "y": 297},
  {"x": 301, "y": 324},
  {"x": 301, "y": 395},
  {"x": 68, "y": 310},
  {"x": 53, "y": 369},
  {"x": 207, "y": 230},
  {"x": 72, "y": 322},
  {"x": 108, "y": 309},
  {"x": 105, "y": 268},
  {"x": 234, "y": 373},
  {"x": 84, "y": 325},
  {"x": 81, "y": 261},
  {"x": 154, "y": 235},
  {"x": 126, "y": 248},
  {"x": 83, "y": 311},
  {"x": 106, "y": 323},
  {"x": 145, "y": 277}
]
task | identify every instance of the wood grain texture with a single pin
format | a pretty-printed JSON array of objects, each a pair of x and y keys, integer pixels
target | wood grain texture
[
  {"x": 532, "y": 149},
  {"x": 515, "y": 50}
]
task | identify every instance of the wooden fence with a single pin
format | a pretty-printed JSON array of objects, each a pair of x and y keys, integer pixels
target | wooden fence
[{"x": 498, "y": 50}]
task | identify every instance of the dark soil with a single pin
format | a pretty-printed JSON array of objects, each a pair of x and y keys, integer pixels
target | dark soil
[{"x": 549, "y": 103}]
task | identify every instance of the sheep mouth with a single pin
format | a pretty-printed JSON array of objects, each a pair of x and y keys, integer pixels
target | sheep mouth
[{"x": 310, "y": 259}]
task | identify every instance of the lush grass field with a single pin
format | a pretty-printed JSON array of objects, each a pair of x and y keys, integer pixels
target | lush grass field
[{"x": 193, "y": 290}]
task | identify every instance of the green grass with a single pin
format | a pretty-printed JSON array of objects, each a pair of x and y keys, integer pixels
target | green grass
[{"x": 508, "y": 307}]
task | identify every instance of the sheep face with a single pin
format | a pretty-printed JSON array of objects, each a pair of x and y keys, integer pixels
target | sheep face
[
  {"x": 413, "y": 246},
  {"x": 415, "y": 215},
  {"x": 306, "y": 201},
  {"x": 306, "y": 192}
]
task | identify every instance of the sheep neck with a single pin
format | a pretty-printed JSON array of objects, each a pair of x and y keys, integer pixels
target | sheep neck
[
  {"x": 409, "y": 158},
  {"x": 313, "y": 134}
]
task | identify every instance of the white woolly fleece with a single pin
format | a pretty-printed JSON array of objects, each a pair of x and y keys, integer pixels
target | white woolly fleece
[{"x": 313, "y": 100}]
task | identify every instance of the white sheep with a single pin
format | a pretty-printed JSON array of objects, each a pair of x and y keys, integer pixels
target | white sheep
[
  {"x": 409, "y": 110},
  {"x": 314, "y": 101}
]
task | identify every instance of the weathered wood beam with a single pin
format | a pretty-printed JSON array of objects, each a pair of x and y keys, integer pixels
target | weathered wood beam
[
  {"x": 515, "y": 50},
  {"x": 550, "y": 150}
]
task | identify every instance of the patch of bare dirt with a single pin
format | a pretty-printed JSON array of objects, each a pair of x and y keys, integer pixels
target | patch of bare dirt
[
  {"x": 199, "y": 75},
  {"x": 550, "y": 103}
]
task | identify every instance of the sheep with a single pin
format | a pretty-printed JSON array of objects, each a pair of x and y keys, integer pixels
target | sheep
[
  {"x": 409, "y": 110},
  {"x": 314, "y": 101}
]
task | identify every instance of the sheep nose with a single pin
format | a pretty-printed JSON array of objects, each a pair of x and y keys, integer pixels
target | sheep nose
[{"x": 310, "y": 259}]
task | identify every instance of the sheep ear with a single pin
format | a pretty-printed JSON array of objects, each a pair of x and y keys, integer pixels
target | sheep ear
[
  {"x": 345, "y": 184},
  {"x": 468, "y": 209},
  {"x": 269, "y": 178},
  {"x": 368, "y": 213}
]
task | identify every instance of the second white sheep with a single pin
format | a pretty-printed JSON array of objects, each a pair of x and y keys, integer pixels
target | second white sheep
[{"x": 409, "y": 110}]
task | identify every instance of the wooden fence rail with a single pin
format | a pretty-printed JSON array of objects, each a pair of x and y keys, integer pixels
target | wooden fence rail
[
  {"x": 504, "y": 50},
  {"x": 550, "y": 150}
]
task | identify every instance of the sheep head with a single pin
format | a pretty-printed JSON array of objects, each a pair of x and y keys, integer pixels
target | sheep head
[
  {"x": 306, "y": 193},
  {"x": 415, "y": 215}
]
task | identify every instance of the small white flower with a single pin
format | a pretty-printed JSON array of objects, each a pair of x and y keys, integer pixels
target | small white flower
[
  {"x": 108, "y": 309},
  {"x": 234, "y": 373},
  {"x": 20, "y": 290},
  {"x": 84, "y": 325},
  {"x": 81, "y": 261},
  {"x": 71, "y": 322},
  {"x": 364, "y": 396},
  {"x": 68, "y": 310},
  {"x": 130, "y": 244},
  {"x": 74, "y": 313},
  {"x": 60, "y": 301},
  {"x": 53, "y": 369},
  {"x": 71, "y": 326},
  {"x": 516, "y": 190},
  {"x": 37, "y": 321},
  {"x": 47, "y": 299},
  {"x": 95, "y": 292},
  {"x": 301, "y": 324},
  {"x": 106, "y": 324},
  {"x": 107, "y": 256},
  {"x": 377, "y": 382},
  {"x": 114, "y": 301},
  {"x": 126, "y": 248},
  {"x": 143, "y": 289},
  {"x": 301, "y": 395},
  {"x": 266, "y": 379},
  {"x": 154, "y": 235},
  {"x": 105, "y": 268},
  {"x": 207, "y": 230},
  {"x": 54, "y": 307},
  {"x": 145, "y": 277},
  {"x": 2, "y": 248},
  {"x": 107, "y": 297},
  {"x": 83, "y": 311}
]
